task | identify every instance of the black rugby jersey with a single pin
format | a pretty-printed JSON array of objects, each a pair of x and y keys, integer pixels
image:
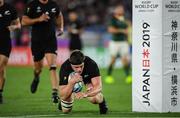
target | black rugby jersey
[
  {"x": 90, "y": 70},
  {"x": 7, "y": 15},
  {"x": 75, "y": 25},
  {"x": 44, "y": 29}
]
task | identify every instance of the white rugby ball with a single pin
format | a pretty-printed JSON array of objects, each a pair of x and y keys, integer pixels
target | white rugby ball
[{"x": 77, "y": 86}]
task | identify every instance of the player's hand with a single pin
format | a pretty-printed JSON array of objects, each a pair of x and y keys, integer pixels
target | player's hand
[
  {"x": 125, "y": 31},
  {"x": 44, "y": 17},
  {"x": 74, "y": 31},
  {"x": 76, "y": 77},
  {"x": 60, "y": 31},
  {"x": 80, "y": 95},
  {"x": 89, "y": 87},
  {"x": 12, "y": 27}
]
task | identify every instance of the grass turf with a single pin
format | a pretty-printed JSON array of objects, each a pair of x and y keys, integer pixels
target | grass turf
[{"x": 18, "y": 101}]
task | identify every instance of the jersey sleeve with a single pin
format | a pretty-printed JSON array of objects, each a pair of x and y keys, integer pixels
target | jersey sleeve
[
  {"x": 111, "y": 22},
  {"x": 58, "y": 11},
  {"x": 29, "y": 10},
  {"x": 63, "y": 75},
  {"x": 80, "y": 25},
  {"x": 94, "y": 70},
  {"x": 14, "y": 13}
]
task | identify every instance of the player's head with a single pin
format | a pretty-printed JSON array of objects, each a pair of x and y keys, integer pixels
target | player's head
[
  {"x": 73, "y": 16},
  {"x": 77, "y": 61},
  {"x": 1, "y": 2},
  {"x": 119, "y": 10},
  {"x": 44, "y": 1}
]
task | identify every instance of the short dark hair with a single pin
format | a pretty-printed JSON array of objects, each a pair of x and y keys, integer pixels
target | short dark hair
[{"x": 76, "y": 57}]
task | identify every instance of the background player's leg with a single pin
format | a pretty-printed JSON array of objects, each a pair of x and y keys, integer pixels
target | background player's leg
[
  {"x": 127, "y": 69},
  {"x": 109, "y": 79},
  {"x": 125, "y": 59},
  {"x": 51, "y": 60},
  {"x": 3, "y": 63},
  {"x": 113, "y": 50},
  {"x": 38, "y": 65}
]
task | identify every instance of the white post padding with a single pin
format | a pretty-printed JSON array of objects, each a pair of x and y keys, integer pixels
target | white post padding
[{"x": 156, "y": 56}]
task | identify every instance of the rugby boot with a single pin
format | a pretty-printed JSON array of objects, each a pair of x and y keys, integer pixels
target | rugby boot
[
  {"x": 55, "y": 97},
  {"x": 34, "y": 84},
  {"x": 1, "y": 99},
  {"x": 103, "y": 108}
]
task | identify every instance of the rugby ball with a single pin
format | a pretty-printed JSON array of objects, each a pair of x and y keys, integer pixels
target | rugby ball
[{"x": 77, "y": 86}]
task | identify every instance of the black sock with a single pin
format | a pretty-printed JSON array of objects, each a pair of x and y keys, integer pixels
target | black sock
[
  {"x": 103, "y": 107},
  {"x": 1, "y": 92},
  {"x": 59, "y": 105},
  {"x": 127, "y": 69},
  {"x": 54, "y": 91},
  {"x": 110, "y": 68},
  {"x": 36, "y": 74},
  {"x": 102, "y": 101}
]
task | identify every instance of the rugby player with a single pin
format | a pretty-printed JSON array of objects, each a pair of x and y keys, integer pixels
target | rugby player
[
  {"x": 86, "y": 70},
  {"x": 44, "y": 16},
  {"x": 8, "y": 22}
]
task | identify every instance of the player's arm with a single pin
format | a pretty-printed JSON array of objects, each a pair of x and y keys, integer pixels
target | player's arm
[
  {"x": 75, "y": 31},
  {"x": 60, "y": 23},
  {"x": 26, "y": 20},
  {"x": 66, "y": 90},
  {"x": 15, "y": 24},
  {"x": 114, "y": 30},
  {"x": 78, "y": 30},
  {"x": 96, "y": 87}
]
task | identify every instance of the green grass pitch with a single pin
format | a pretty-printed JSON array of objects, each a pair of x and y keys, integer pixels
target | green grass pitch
[{"x": 19, "y": 102}]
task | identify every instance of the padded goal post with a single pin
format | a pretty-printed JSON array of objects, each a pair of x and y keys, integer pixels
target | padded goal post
[{"x": 156, "y": 56}]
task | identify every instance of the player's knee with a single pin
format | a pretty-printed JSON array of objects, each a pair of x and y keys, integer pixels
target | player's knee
[
  {"x": 66, "y": 106},
  {"x": 2, "y": 67},
  {"x": 93, "y": 100},
  {"x": 66, "y": 111},
  {"x": 52, "y": 67},
  {"x": 37, "y": 71},
  {"x": 38, "y": 64},
  {"x": 96, "y": 99},
  {"x": 2, "y": 73},
  {"x": 125, "y": 60}
]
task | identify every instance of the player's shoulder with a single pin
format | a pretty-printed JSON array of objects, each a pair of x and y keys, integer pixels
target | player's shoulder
[
  {"x": 79, "y": 22},
  {"x": 113, "y": 19},
  {"x": 32, "y": 3},
  {"x": 90, "y": 65},
  {"x": 89, "y": 61},
  {"x": 52, "y": 2},
  {"x": 66, "y": 64},
  {"x": 7, "y": 5},
  {"x": 65, "y": 67}
]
